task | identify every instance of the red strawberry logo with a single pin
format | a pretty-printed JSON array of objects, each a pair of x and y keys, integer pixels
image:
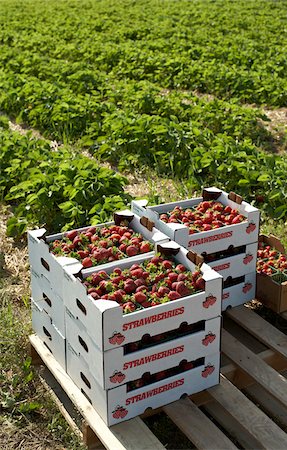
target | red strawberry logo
[
  {"x": 246, "y": 288},
  {"x": 117, "y": 377},
  {"x": 117, "y": 413},
  {"x": 207, "y": 371},
  {"x": 120, "y": 412},
  {"x": 117, "y": 338},
  {"x": 123, "y": 412},
  {"x": 208, "y": 339},
  {"x": 247, "y": 259},
  {"x": 251, "y": 227},
  {"x": 209, "y": 301}
]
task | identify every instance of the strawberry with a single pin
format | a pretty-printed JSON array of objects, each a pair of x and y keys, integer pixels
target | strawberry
[
  {"x": 129, "y": 287},
  {"x": 166, "y": 264},
  {"x": 162, "y": 291},
  {"x": 200, "y": 284},
  {"x": 129, "y": 307},
  {"x": 145, "y": 247},
  {"x": 132, "y": 250},
  {"x": 180, "y": 268},
  {"x": 71, "y": 234},
  {"x": 173, "y": 295},
  {"x": 140, "y": 297},
  {"x": 173, "y": 276},
  {"x": 87, "y": 262},
  {"x": 182, "y": 289}
]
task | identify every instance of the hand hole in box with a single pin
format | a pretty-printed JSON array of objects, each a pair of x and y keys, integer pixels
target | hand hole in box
[
  {"x": 83, "y": 344},
  {"x": 47, "y": 300},
  {"x": 85, "y": 380},
  {"x": 45, "y": 264},
  {"x": 81, "y": 306},
  {"x": 47, "y": 333}
]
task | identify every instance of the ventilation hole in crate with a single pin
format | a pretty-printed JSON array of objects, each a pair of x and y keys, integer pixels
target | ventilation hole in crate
[
  {"x": 45, "y": 264},
  {"x": 87, "y": 397},
  {"x": 47, "y": 300},
  {"x": 47, "y": 333},
  {"x": 85, "y": 380},
  {"x": 146, "y": 377},
  {"x": 183, "y": 396},
  {"x": 83, "y": 344},
  {"x": 81, "y": 306}
]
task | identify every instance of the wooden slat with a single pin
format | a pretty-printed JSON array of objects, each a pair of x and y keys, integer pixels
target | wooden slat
[
  {"x": 267, "y": 433},
  {"x": 129, "y": 435},
  {"x": 69, "y": 419},
  {"x": 90, "y": 439},
  {"x": 197, "y": 426},
  {"x": 259, "y": 328},
  {"x": 265, "y": 375},
  {"x": 270, "y": 405},
  {"x": 231, "y": 425}
]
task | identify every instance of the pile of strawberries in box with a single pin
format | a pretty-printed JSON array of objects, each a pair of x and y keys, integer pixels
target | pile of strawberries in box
[
  {"x": 271, "y": 287},
  {"x": 132, "y": 309}
]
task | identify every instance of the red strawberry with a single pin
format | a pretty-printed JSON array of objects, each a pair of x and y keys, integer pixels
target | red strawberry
[
  {"x": 130, "y": 287},
  {"x": 95, "y": 295},
  {"x": 180, "y": 268},
  {"x": 140, "y": 297},
  {"x": 87, "y": 262},
  {"x": 173, "y": 276},
  {"x": 167, "y": 264},
  {"x": 132, "y": 250},
  {"x": 128, "y": 307},
  {"x": 162, "y": 291},
  {"x": 200, "y": 284},
  {"x": 145, "y": 247},
  {"x": 182, "y": 289},
  {"x": 71, "y": 234},
  {"x": 173, "y": 295}
]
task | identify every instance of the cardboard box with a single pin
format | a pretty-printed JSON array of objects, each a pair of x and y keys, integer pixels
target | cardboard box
[
  {"x": 237, "y": 265},
  {"x": 109, "y": 328},
  {"x": 113, "y": 368},
  {"x": 47, "y": 299},
  {"x": 43, "y": 262},
  {"x": 269, "y": 292},
  {"x": 48, "y": 333},
  {"x": 240, "y": 293},
  {"x": 116, "y": 405},
  {"x": 206, "y": 241}
]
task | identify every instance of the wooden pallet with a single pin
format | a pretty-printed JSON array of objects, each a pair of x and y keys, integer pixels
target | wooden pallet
[{"x": 248, "y": 409}]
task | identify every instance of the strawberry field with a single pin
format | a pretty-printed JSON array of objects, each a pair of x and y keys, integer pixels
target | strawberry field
[{"x": 122, "y": 81}]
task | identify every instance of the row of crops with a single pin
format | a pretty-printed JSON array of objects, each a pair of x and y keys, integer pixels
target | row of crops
[{"x": 119, "y": 78}]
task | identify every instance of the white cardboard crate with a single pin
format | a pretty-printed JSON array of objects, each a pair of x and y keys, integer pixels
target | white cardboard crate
[
  {"x": 237, "y": 265},
  {"x": 48, "y": 333},
  {"x": 205, "y": 241},
  {"x": 43, "y": 262},
  {"x": 109, "y": 328},
  {"x": 116, "y": 405},
  {"x": 240, "y": 293},
  {"x": 113, "y": 368},
  {"x": 47, "y": 299}
]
